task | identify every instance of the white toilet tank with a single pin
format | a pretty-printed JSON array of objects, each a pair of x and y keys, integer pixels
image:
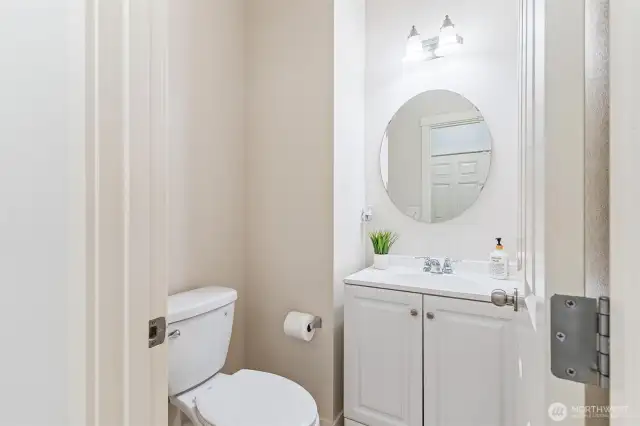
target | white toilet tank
[{"x": 199, "y": 331}]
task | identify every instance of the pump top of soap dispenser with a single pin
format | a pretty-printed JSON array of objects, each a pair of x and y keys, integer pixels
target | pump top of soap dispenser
[{"x": 499, "y": 246}]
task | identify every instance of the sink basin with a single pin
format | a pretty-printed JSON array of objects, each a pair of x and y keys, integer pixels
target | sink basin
[{"x": 417, "y": 276}]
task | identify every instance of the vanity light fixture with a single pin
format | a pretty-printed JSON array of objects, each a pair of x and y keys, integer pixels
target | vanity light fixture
[{"x": 435, "y": 47}]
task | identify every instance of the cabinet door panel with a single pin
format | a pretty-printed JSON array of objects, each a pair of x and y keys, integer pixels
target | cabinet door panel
[
  {"x": 383, "y": 357},
  {"x": 469, "y": 364}
]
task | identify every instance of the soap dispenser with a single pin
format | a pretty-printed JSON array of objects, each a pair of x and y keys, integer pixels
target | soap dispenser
[{"x": 499, "y": 262}]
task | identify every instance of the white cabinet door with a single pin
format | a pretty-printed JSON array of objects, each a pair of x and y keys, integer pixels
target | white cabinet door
[
  {"x": 383, "y": 357},
  {"x": 470, "y": 367}
]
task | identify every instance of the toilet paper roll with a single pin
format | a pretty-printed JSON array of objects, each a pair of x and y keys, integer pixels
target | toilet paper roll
[{"x": 298, "y": 326}]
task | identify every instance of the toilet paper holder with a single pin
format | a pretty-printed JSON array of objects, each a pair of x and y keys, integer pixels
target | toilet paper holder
[{"x": 316, "y": 323}]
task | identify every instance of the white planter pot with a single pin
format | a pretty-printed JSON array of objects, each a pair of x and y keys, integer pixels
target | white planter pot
[{"x": 381, "y": 261}]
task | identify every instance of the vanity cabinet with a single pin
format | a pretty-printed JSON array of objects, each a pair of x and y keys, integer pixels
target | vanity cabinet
[{"x": 414, "y": 360}]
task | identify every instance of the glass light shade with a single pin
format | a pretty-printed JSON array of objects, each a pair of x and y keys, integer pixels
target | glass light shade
[
  {"x": 414, "y": 50},
  {"x": 448, "y": 41},
  {"x": 448, "y": 36}
]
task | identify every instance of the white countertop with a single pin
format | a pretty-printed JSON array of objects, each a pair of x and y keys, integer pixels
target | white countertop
[{"x": 466, "y": 283}]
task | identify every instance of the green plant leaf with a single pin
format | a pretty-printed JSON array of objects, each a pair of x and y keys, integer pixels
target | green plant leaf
[{"x": 383, "y": 241}]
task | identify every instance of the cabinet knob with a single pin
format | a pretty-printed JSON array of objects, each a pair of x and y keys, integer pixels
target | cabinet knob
[
  {"x": 431, "y": 315},
  {"x": 414, "y": 312}
]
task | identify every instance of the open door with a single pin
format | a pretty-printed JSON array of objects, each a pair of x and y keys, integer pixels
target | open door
[
  {"x": 625, "y": 211},
  {"x": 555, "y": 210},
  {"x": 126, "y": 378}
]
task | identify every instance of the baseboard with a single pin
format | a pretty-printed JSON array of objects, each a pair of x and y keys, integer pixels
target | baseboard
[{"x": 339, "y": 421}]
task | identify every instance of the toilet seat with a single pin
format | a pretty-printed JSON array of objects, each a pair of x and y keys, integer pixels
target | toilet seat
[{"x": 254, "y": 398}]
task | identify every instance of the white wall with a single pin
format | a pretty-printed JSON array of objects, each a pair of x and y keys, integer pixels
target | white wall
[
  {"x": 207, "y": 153},
  {"x": 41, "y": 206},
  {"x": 485, "y": 72},
  {"x": 348, "y": 164}
]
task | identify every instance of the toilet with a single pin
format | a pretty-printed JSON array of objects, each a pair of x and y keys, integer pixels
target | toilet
[{"x": 198, "y": 334}]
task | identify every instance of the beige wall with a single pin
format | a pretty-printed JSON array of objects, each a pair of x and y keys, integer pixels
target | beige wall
[
  {"x": 206, "y": 102},
  {"x": 289, "y": 118},
  {"x": 252, "y": 131}
]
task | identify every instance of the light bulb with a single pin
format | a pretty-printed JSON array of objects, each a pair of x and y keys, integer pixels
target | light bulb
[
  {"x": 414, "y": 50},
  {"x": 448, "y": 41},
  {"x": 448, "y": 36}
]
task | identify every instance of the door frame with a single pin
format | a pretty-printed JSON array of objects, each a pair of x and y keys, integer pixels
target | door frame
[
  {"x": 564, "y": 177},
  {"x": 624, "y": 210},
  {"x": 116, "y": 378}
]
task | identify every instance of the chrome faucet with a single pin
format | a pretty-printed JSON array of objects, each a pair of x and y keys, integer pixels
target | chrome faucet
[
  {"x": 435, "y": 266},
  {"x": 447, "y": 268},
  {"x": 426, "y": 267}
]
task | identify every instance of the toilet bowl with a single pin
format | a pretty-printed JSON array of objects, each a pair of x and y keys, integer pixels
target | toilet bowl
[
  {"x": 248, "y": 398},
  {"x": 199, "y": 332}
]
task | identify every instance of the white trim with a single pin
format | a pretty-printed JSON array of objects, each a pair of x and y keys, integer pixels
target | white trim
[
  {"x": 160, "y": 178},
  {"x": 452, "y": 119},
  {"x": 624, "y": 209},
  {"x": 563, "y": 175},
  {"x": 523, "y": 24},
  {"x": 122, "y": 381}
]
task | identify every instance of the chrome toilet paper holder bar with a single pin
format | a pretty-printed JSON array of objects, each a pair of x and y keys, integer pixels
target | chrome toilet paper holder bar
[{"x": 316, "y": 323}]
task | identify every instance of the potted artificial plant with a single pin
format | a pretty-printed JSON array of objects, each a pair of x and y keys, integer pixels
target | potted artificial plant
[{"x": 382, "y": 241}]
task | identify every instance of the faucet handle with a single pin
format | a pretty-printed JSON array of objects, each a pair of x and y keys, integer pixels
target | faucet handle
[{"x": 447, "y": 267}]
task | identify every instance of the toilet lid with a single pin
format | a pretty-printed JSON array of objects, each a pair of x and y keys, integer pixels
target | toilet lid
[{"x": 253, "y": 398}]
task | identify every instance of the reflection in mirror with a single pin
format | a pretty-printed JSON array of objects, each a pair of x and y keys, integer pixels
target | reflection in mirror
[{"x": 435, "y": 156}]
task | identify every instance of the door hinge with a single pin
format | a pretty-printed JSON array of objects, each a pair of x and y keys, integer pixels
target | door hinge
[{"x": 580, "y": 339}]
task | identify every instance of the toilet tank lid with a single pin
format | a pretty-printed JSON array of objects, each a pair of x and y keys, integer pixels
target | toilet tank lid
[{"x": 199, "y": 301}]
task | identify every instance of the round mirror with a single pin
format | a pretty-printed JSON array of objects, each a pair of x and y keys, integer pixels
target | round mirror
[{"x": 435, "y": 156}]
